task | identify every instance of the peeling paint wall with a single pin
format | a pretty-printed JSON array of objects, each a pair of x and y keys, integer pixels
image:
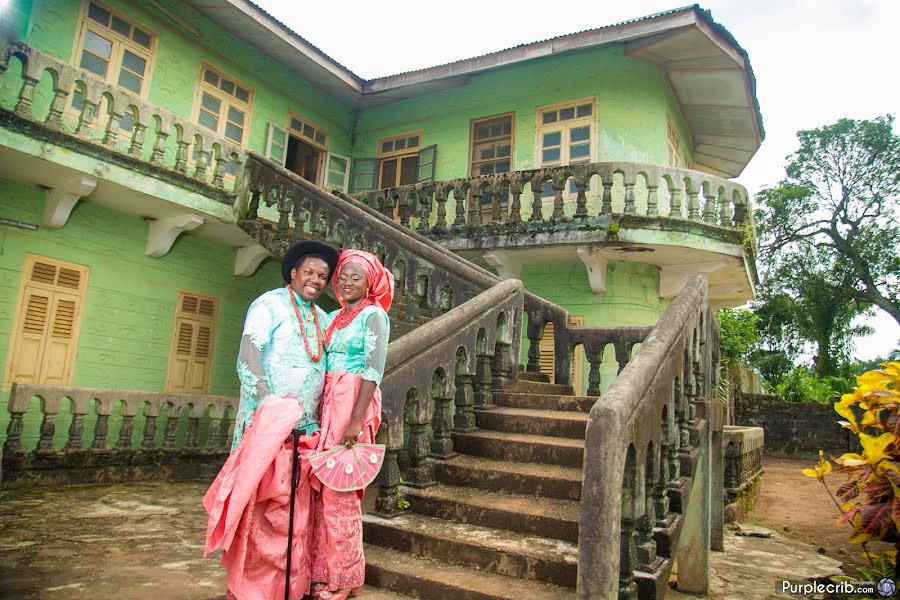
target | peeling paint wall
[
  {"x": 633, "y": 101},
  {"x": 129, "y": 313},
  {"x": 631, "y": 298},
  {"x": 179, "y": 55}
]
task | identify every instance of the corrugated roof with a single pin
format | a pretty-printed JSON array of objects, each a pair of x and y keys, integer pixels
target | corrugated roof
[
  {"x": 544, "y": 41},
  {"x": 705, "y": 14}
]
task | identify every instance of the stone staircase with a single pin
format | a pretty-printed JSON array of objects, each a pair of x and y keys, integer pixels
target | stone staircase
[{"x": 502, "y": 519}]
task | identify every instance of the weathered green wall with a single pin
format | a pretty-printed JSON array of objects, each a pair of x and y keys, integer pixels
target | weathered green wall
[
  {"x": 127, "y": 322},
  {"x": 632, "y": 96},
  {"x": 631, "y": 299},
  {"x": 179, "y": 54}
]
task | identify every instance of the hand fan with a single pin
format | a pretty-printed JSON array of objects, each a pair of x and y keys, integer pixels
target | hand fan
[{"x": 345, "y": 469}]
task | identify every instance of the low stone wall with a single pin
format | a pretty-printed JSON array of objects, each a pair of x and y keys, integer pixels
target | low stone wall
[
  {"x": 157, "y": 453},
  {"x": 794, "y": 429}
]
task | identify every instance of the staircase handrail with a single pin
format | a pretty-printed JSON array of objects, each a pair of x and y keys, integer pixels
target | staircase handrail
[{"x": 643, "y": 414}]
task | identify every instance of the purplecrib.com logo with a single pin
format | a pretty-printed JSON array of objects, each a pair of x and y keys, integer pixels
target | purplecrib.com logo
[{"x": 885, "y": 587}]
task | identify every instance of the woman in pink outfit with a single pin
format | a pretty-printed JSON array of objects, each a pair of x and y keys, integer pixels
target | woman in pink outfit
[{"x": 356, "y": 343}]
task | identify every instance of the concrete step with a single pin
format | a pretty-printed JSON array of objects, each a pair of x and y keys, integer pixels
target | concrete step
[
  {"x": 544, "y": 401},
  {"x": 538, "y": 387},
  {"x": 482, "y": 548},
  {"x": 526, "y": 376},
  {"x": 546, "y": 481},
  {"x": 520, "y": 447},
  {"x": 368, "y": 592},
  {"x": 555, "y": 423},
  {"x": 433, "y": 580},
  {"x": 545, "y": 517}
]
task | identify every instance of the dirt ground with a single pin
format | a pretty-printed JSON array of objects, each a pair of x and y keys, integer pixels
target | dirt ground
[{"x": 798, "y": 507}]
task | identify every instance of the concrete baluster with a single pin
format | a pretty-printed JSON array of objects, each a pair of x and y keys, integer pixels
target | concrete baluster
[
  {"x": 464, "y": 417},
  {"x": 201, "y": 164},
  {"x": 57, "y": 106},
  {"x": 442, "y": 443},
  {"x": 149, "y": 440},
  {"x": 47, "y": 431},
  {"x": 213, "y": 437},
  {"x": 652, "y": 201},
  {"x": 193, "y": 431},
  {"x": 181, "y": 155},
  {"x": 501, "y": 371},
  {"x": 388, "y": 485},
  {"x": 537, "y": 202},
  {"x": 126, "y": 433},
  {"x": 14, "y": 431},
  {"x": 137, "y": 140},
  {"x": 484, "y": 397},
  {"x": 606, "y": 204},
  {"x": 101, "y": 430},
  {"x": 26, "y": 96},
  {"x": 76, "y": 430},
  {"x": 111, "y": 133}
]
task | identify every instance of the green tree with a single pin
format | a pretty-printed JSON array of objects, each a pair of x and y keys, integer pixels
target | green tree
[
  {"x": 805, "y": 301},
  {"x": 828, "y": 240},
  {"x": 839, "y": 203},
  {"x": 738, "y": 334}
]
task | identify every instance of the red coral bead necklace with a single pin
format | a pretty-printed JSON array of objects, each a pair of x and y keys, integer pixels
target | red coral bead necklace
[{"x": 319, "y": 346}]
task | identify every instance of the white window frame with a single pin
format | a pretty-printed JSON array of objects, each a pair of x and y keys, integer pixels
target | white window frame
[
  {"x": 563, "y": 127},
  {"x": 346, "y": 183}
]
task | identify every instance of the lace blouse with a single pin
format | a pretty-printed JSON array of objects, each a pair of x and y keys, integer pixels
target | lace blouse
[
  {"x": 273, "y": 359},
  {"x": 361, "y": 346}
]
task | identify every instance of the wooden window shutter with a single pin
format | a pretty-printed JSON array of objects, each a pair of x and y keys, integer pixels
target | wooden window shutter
[
  {"x": 47, "y": 322},
  {"x": 548, "y": 355},
  {"x": 190, "y": 359}
]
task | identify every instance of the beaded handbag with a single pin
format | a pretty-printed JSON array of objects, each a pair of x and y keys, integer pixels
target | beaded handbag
[{"x": 345, "y": 469}]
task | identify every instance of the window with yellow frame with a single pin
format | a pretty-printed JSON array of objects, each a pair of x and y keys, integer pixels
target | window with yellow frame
[
  {"x": 117, "y": 49},
  {"x": 223, "y": 104},
  {"x": 399, "y": 159}
]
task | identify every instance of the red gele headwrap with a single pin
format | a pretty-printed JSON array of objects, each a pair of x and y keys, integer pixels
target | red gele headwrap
[{"x": 381, "y": 281}]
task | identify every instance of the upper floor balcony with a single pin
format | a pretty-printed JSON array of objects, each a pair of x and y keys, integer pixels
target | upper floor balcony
[
  {"x": 67, "y": 131},
  {"x": 681, "y": 220}
]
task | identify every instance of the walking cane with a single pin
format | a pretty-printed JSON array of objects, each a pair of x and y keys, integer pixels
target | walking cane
[{"x": 295, "y": 479}]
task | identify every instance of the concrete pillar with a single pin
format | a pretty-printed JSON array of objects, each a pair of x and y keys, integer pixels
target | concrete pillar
[
  {"x": 716, "y": 412},
  {"x": 693, "y": 547}
]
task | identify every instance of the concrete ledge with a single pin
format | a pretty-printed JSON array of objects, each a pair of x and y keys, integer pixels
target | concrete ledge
[{"x": 22, "y": 469}]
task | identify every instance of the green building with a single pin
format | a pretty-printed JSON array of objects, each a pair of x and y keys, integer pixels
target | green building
[{"x": 594, "y": 167}]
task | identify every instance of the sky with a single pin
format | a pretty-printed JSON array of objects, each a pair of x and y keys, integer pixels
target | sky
[{"x": 815, "y": 61}]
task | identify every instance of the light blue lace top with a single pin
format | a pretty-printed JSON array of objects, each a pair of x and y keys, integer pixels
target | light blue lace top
[
  {"x": 361, "y": 346},
  {"x": 273, "y": 360}
]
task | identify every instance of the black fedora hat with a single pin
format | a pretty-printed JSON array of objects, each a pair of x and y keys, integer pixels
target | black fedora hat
[{"x": 305, "y": 248}]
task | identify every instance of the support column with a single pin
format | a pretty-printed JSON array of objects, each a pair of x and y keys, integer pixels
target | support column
[
  {"x": 508, "y": 265},
  {"x": 693, "y": 547},
  {"x": 716, "y": 414}
]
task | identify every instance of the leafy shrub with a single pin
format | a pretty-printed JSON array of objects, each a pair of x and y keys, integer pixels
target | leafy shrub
[
  {"x": 800, "y": 385},
  {"x": 870, "y": 499}
]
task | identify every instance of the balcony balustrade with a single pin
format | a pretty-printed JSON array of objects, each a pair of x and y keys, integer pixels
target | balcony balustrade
[
  {"x": 583, "y": 197},
  {"x": 122, "y": 124}
]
